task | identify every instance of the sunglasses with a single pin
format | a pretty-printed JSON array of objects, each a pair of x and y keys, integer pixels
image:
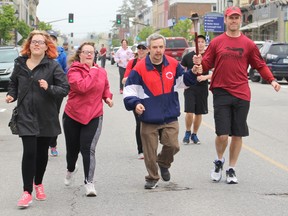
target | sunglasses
[
  {"x": 142, "y": 47},
  {"x": 86, "y": 52}
]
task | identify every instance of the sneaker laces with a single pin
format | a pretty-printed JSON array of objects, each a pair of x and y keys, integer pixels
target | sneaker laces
[
  {"x": 194, "y": 138},
  {"x": 187, "y": 135},
  {"x": 25, "y": 196},
  {"x": 218, "y": 165},
  {"x": 39, "y": 189},
  {"x": 231, "y": 173}
]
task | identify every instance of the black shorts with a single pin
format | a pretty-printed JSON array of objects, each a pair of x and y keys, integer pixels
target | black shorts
[
  {"x": 195, "y": 99},
  {"x": 230, "y": 114}
]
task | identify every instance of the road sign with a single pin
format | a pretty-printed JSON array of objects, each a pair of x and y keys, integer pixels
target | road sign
[
  {"x": 214, "y": 22},
  {"x": 19, "y": 36}
]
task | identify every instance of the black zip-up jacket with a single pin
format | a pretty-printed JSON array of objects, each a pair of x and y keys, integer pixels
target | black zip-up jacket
[{"x": 38, "y": 112}]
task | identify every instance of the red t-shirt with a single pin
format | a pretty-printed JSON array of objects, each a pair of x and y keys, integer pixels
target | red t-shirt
[
  {"x": 103, "y": 50},
  {"x": 129, "y": 67},
  {"x": 230, "y": 58}
]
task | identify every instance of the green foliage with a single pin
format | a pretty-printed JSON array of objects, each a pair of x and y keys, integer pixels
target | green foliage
[
  {"x": 44, "y": 26},
  {"x": 23, "y": 30},
  {"x": 145, "y": 32},
  {"x": 116, "y": 42},
  {"x": 166, "y": 32},
  {"x": 182, "y": 29},
  {"x": 7, "y": 23},
  {"x": 130, "y": 41}
]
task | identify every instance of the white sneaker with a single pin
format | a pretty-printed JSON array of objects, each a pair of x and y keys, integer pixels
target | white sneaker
[
  {"x": 216, "y": 174},
  {"x": 70, "y": 176},
  {"x": 140, "y": 156},
  {"x": 231, "y": 176},
  {"x": 90, "y": 189}
]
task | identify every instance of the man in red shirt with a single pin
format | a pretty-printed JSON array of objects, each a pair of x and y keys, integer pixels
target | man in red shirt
[
  {"x": 103, "y": 51},
  {"x": 230, "y": 54}
]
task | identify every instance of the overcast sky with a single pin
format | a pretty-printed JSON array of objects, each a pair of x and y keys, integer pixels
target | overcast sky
[{"x": 89, "y": 15}]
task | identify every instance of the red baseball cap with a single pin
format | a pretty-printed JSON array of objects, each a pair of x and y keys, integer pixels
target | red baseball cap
[{"x": 233, "y": 10}]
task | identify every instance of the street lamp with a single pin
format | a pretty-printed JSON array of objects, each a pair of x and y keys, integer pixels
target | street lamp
[{"x": 15, "y": 29}]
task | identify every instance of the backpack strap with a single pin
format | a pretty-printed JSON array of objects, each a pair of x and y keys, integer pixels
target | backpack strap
[{"x": 134, "y": 62}]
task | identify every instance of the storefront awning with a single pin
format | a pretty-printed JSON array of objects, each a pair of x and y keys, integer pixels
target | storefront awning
[{"x": 259, "y": 23}]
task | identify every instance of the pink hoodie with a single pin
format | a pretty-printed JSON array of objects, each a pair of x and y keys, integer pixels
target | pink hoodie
[{"x": 88, "y": 87}]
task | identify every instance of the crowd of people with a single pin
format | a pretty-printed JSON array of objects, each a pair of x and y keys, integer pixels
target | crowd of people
[{"x": 149, "y": 80}]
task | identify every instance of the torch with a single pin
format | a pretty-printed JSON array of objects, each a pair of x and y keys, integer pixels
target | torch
[{"x": 195, "y": 19}]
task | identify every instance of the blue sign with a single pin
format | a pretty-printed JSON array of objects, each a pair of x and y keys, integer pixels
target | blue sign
[
  {"x": 213, "y": 22},
  {"x": 182, "y": 18}
]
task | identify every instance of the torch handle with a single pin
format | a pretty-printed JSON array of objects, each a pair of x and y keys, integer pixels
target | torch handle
[{"x": 196, "y": 43}]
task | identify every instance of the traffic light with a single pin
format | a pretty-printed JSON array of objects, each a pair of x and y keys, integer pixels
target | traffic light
[
  {"x": 118, "y": 19},
  {"x": 71, "y": 18},
  {"x": 71, "y": 34}
]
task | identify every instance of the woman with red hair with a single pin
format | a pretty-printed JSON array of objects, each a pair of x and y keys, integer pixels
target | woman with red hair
[{"x": 37, "y": 81}]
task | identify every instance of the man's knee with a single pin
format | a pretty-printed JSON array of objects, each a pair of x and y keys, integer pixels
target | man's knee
[{"x": 222, "y": 138}]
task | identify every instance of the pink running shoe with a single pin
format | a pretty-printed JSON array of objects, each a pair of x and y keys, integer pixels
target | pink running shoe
[
  {"x": 40, "y": 195},
  {"x": 25, "y": 200}
]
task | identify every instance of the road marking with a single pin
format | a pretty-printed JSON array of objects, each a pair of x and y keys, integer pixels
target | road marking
[
  {"x": 2, "y": 110},
  {"x": 256, "y": 152},
  {"x": 266, "y": 158}
]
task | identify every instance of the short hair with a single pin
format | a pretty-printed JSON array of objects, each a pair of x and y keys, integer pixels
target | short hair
[
  {"x": 124, "y": 40},
  {"x": 51, "y": 51},
  {"x": 155, "y": 36}
]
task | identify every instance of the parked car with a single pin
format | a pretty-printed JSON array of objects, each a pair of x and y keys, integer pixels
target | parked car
[
  {"x": 7, "y": 56},
  {"x": 259, "y": 44},
  {"x": 276, "y": 56},
  {"x": 114, "y": 50},
  {"x": 175, "y": 47}
]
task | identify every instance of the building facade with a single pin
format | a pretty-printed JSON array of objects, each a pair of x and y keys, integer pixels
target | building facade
[
  {"x": 262, "y": 19},
  {"x": 167, "y": 12}
]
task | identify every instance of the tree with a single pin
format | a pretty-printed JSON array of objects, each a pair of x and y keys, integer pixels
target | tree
[
  {"x": 128, "y": 9},
  {"x": 182, "y": 29},
  {"x": 44, "y": 26},
  {"x": 137, "y": 5},
  {"x": 145, "y": 32},
  {"x": 116, "y": 42},
  {"x": 166, "y": 32},
  {"x": 23, "y": 30},
  {"x": 125, "y": 12},
  {"x": 8, "y": 23}
]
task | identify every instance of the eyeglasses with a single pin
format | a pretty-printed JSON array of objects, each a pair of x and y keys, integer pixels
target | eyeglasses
[
  {"x": 40, "y": 42},
  {"x": 86, "y": 52}
]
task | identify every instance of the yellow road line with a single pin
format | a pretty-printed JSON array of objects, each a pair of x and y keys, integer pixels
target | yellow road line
[
  {"x": 266, "y": 158},
  {"x": 257, "y": 153}
]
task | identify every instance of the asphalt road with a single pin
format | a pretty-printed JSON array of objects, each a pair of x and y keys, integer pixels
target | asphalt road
[{"x": 119, "y": 178}]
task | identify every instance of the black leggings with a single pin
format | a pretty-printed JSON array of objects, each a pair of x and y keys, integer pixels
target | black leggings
[
  {"x": 82, "y": 138},
  {"x": 121, "y": 74},
  {"x": 34, "y": 160},
  {"x": 137, "y": 133}
]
